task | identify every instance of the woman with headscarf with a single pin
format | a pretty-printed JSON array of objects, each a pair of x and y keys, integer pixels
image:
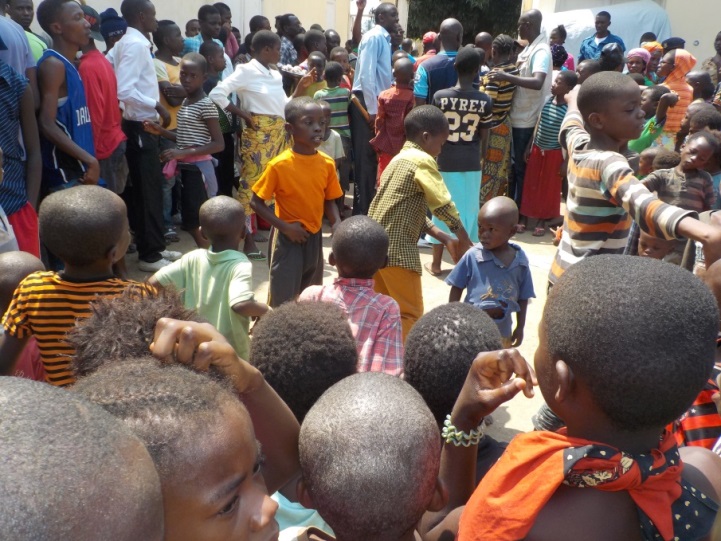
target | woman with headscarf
[
  {"x": 656, "y": 50},
  {"x": 637, "y": 62},
  {"x": 673, "y": 67}
]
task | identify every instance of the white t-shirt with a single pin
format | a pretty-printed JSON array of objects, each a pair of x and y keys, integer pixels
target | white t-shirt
[
  {"x": 527, "y": 103},
  {"x": 333, "y": 146}
]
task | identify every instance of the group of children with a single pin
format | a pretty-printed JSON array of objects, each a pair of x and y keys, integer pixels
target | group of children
[{"x": 308, "y": 426}]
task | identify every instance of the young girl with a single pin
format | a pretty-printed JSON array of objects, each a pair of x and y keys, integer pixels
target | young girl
[
  {"x": 198, "y": 136},
  {"x": 673, "y": 67},
  {"x": 558, "y": 37},
  {"x": 542, "y": 186}
]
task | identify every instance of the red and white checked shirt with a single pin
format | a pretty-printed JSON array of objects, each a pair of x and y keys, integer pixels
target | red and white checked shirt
[{"x": 375, "y": 320}]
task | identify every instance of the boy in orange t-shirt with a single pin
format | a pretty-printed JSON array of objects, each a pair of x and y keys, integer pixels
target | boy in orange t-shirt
[{"x": 305, "y": 186}]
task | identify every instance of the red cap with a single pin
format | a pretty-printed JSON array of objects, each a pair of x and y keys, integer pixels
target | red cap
[{"x": 429, "y": 37}]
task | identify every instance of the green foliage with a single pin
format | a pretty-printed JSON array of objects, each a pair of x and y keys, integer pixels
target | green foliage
[{"x": 494, "y": 16}]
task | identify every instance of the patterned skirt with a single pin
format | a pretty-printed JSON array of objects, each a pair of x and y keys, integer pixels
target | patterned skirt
[
  {"x": 257, "y": 148},
  {"x": 497, "y": 163}
]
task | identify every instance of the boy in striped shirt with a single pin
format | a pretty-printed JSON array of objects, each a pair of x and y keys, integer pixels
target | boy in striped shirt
[{"x": 604, "y": 196}]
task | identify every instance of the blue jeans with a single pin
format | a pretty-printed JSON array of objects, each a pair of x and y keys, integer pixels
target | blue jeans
[{"x": 521, "y": 137}]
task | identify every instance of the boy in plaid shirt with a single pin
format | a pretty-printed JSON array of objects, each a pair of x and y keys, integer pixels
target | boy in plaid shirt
[{"x": 360, "y": 248}]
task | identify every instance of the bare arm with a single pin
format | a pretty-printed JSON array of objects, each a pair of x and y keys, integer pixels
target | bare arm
[
  {"x": 32, "y": 75},
  {"x": 10, "y": 349},
  {"x": 356, "y": 34},
  {"x": 294, "y": 231},
  {"x": 174, "y": 94},
  {"x": 520, "y": 324},
  {"x": 534, "y": 82},
  {"x": 455, "y": 294},
  {"x": 31, "y": 140},
  {"x": 216, "y": 144},
  {"x": 250, "y": 308},
  {"x": 331, "y": 212}
]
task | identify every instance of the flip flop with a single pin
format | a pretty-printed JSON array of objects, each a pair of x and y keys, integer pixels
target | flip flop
[
  {"x": 520, "y": 228},
  {"x": 256, "y": 256},
  {"x": 539, "y": 232},
  {"x": 430, "y": 271}
]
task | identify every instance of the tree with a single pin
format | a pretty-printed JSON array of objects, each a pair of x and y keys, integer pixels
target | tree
[{"x": 494, "y": 16}]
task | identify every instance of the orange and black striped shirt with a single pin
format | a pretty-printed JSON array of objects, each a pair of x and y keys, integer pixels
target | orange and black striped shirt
[{"x": 46, "y": 306}]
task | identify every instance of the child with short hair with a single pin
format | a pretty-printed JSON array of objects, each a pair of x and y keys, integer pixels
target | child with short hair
[
  {"x": 305, "y": 186},
  {"x": 192, "y": 28},
  {"x": 340, "y": 55},
  {"x": 316, "y": 64},
  {"x": 218, "y": 281},
  {"x": 654, "y": 247},
  {"x": 14, "y": 267},
  {"x": 331, "y": 145},
  {"x": 604, "y": 196},
  {"x": 655, "y": 101},
  {"x": 495, "y": 272},
  {"x": 645, "y": 161},
  {"x": 469, "y": 112},
  {"x": 674, "y": 66},
  {"x": 198, "y": 135},
  {"x": 63, "y": 119},
  {"x": 614, "y": 452},
  {"x": 359, "y": 250},
  {"x": 86, "y": 227},
  {"x": 411, "y": 186},
  {"x": 542, "y": 187},
  {"x": 394, "y": 104}
]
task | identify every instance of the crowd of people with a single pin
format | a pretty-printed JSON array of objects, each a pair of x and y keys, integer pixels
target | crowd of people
[{"x": 347, "y": 412}]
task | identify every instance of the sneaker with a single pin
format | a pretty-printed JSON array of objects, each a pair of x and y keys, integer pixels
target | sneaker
[
  {"x": 155, "y": 266},
  {"x": 171, "y": 255}
]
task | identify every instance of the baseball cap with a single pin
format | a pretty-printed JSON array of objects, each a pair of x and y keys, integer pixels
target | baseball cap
[
  {"x": 429, "y": 37},
  {"x": 94, "y": 19}
]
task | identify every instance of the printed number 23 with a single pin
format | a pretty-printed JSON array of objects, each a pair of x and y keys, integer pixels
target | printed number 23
[{"x": 469, "y": 121}]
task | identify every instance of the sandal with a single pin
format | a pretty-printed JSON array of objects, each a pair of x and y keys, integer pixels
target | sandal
[
  {"x": 520, "y": 228},
  {"x": 256, "y": 256},
  {"x": 539, "y": 232},
  {"x": 430, "y": 271}
]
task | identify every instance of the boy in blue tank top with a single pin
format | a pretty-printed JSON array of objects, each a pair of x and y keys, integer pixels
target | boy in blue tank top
[{"x": 64, "y": 120}]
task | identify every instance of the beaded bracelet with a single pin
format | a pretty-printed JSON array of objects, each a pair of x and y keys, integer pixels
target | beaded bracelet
[{"x": 457, "y": 437}]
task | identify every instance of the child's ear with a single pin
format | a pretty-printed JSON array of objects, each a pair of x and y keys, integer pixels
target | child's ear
[
  {"x": 566, "y": 381},
  {"x": 303, "y": 496},
  {"x": 202, "y": 233},
  {"x": 440, "y": 497},
  {"x": 331, "y": 259},
  {"x": 595, "y": 120},
  {"x": 289, "y": 128}
]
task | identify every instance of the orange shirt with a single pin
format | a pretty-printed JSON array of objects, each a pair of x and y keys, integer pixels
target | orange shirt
[{"x": 301, "y": 185}]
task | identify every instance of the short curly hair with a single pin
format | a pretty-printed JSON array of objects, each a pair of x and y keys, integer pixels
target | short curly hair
[
  {"x": 302, "y": 349},
  {"x": 640, "y": 333},
  {"x": 440, "y": 350},
  {"x": 360, "y": 245},
  {"x": 123, "y": 327}
]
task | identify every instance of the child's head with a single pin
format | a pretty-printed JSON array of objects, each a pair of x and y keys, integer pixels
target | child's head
[
  {"x": 501, "y": 48},
  {"x": 645, "y": 162},
  {"x": 714, "y": 164},
  {"x": 314, "y": 41},
  {"x": 427, "y": 127},
  {"x": 359, "y": 248},
  {"x": 639, "y": 79},
  {"x": 701, "y": 83},
  {"x": 316, "y": 60},
  {"x": 333, "y": 74},
  {"x": 332, "y": 39},
  {"x": 611, "y": 58},
  {"x": 626, "y": 355},
  {"x": 168, "y": 38},
  {"x": 610, "y": 103},
  {"x": 665, "y": 159},
  {"x": 397, "y": 55},
  {"x": 691, "y": 110},
  {"x": 440, "y": 350},
  {"x": 705, "y": 118},
  {"x": 340, "y": 55},
  {"x": 650, "y": 97},
  {"x": 370, "y": 433},
  {"x": 558, "y": 56},
  {"x": 586, "y": 68},
  {"x": 302, "y": 349},
  {"x": 192, "y": 28},
  {"x": 84, "y": 225},
  {"x": 213, "y": 54},
  {"x": 123, "y": 327},
  {"x": 565, "y": 81},
  {"x": 305, "y": 121},
  {"x": 65, "y": 20},
  {"x": 71, "y": 470},
  {"x": 222, "y": 222},
  {"x": 497, "y": 222},
  {"x": 698, "y": 150},
  {"x": 258, "y": 22},
  {"x": 654, "y": 247},
  {"x": 201, "y": 440},
  {"x": 407, "y": 45},
  {"x": 403, "y": 71},
  {"x": 265, "y": 47},
  {"x": 193, "y": 72},
  {"x": 468, "y": 63},
  {"x": 14, "y": 267},
  {"x": 325, "y": 106}
]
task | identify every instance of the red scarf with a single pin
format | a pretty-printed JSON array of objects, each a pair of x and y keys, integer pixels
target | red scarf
[{"x": 537, "y": 463}]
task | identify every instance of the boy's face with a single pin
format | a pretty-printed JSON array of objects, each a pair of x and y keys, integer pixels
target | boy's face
[
  {"x": 191, "y": 76},
  {"x": 623, "y": 119},
  {"x": 342, "y": 59},
  {"x": 582, "y": 72},
  {"x": 211, "y": 26},
  {"x": 696, "y": 154},
  {"x": 560, "y": 87},
  {"x": 309, "y": 128},
  {"x": 269, "y": 55},
  {"x": 216, "y": 61},
  {"x": 319, "y": 66},
  {"x": 433, "y": 143},
  {"x": 174, "y": 40},
  {"x": 648, "y": 104},
  {"x": 226, "y": 497},
  {"x": 653, "y": 247},
  {"x": 326, "y": 114},
  {"x": 492, "y": 232},
  {"x": 71, "y": 24},
  {"x": 192, "y": 29},
  {"x": 645, "y": 165}
]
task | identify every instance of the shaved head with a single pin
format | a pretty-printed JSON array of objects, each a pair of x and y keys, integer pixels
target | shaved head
[
  {"x": 483, "y": 41},
  {"x": 450, "y": 34},
  {"x": 14, "y": 267},
  {"x": 220, "y": 217},
  {"x": 500, "y": 210}
]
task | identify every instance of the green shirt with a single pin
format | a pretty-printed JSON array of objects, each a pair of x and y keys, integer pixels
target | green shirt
[
  {"x": 651, "y": 130},
  {"x": 37, "y": 45},
  {"x": 212, "y": 283}
]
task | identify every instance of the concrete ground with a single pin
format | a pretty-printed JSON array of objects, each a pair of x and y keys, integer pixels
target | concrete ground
[{"x": 509, "y": 419}]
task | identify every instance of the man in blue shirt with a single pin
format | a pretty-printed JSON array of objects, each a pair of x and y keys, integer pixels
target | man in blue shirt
[
  {"x": 439, "y": 73},
  {"x": 592, "y": 45},
  {"x": 373, "y": 74}
]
